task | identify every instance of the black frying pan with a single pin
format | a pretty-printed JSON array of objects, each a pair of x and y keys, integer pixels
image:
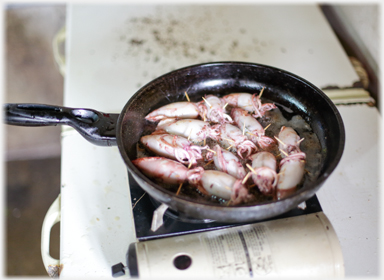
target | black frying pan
[{"x": 218, "y": 78}]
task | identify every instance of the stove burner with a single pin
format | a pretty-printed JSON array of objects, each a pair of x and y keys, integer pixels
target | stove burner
[
  {"x": 179, "y": 224},
  {"x": 179, "y": 216}
]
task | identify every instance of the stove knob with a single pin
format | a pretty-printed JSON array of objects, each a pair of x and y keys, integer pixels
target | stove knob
[{"x": 118, "y": 270}]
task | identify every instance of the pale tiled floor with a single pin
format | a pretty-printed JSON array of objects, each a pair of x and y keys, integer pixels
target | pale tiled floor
[{"x": 32, "y": 167}]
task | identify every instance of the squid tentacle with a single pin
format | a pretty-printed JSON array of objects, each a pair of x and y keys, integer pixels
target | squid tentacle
[
  {"x": 220, "y": 157},
  {"x": 265, "y": 141},
  {"x": 296, "y": 156},
  {"x": 263, "y": 179},
  {"x": 260, "y": 108},
  {"x": 184, "y": 157},
  {"x": 257, "y": 105},
  {"x": 246, "y": 148},
  {"x": 203, "y": 111},
  {"x": 214, "y": 132},
  {"x": 212, "y": 109},
  {"x": 240, "y": 194},
  {"x": 194, "y": 175}
]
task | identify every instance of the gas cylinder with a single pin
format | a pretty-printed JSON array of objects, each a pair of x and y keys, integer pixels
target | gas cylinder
[{"x": 300, "y": 246}]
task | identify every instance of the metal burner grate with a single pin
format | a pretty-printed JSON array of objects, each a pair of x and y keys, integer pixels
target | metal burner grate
[{"x": 175, "y": 224}]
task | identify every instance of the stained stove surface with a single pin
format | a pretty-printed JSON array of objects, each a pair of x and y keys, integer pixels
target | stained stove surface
[{"x": 176, "y": 224}]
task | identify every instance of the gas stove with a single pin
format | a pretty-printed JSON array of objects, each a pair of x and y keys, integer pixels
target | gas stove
[
  {"x": 235, "y": 249},
  {"x": 176, "y": 224}
]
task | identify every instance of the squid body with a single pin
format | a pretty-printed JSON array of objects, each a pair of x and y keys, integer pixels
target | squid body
[
  {"x": 232, "y": 136},
  {"x": 209, "y": 182},
  {"x": 265, "y": 176},
  {"x": 180, "y": 110},
  {"x": 292, "y": 165},
  {"x": 166, "y": 170},
  {"x": 192, "y": 129},
  {"x": 252, "y": 128},
  {"x": 174, "y": 147},
  {"x": 249, "y": 102},
  {"x": 212, "y": 109},
  {"x": 227, "y": 162}
]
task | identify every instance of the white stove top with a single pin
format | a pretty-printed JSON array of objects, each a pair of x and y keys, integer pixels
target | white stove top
[{"x": 113, "y": 50}]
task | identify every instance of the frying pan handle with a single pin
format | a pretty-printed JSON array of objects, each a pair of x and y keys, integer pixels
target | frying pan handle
[{"x": 98, "y": 128}]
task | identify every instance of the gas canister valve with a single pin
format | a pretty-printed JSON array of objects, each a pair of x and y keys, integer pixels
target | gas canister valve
[{"x": 118, "y": 270}]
